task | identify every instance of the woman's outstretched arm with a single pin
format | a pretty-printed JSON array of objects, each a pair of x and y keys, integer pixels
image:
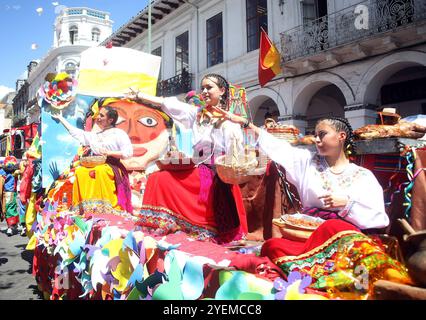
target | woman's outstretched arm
[
  {"x": 177, "y": 110},
  {"x": 294, "y": 160},
  {"x": 82, "y": 136}
]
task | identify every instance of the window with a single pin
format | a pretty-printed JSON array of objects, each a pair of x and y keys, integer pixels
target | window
[
  {"x": 313, "y": 9},
  {"x": 182, "y": 59},
  {"x": 75, "y": 11},
  {"x": 257, "y": 17},
  {"x": 73, "y": 34},
  {"x": 214, "y": 40},
  {"x": 157, "y": 52},
  {"x": 96, "y": 34},
  {"x": 70, "y": 68},
  {"x": 96, "y": 14}
]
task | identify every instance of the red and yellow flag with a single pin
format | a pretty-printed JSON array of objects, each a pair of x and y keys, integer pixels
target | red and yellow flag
[{"x": 269, "y": 60}]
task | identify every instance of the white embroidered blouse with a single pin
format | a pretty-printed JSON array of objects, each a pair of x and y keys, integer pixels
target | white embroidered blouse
[
  {"x": 312, "y": 177},
  {"x": 204, "y": 137},
  {"x": 113, "y": 139}
]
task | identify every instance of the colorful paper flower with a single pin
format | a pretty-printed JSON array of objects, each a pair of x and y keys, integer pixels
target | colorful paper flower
[{"x": 294, "y": 278}]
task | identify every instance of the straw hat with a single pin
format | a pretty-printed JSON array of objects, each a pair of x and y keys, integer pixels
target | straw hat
[
  {"x": 390, "y": 112},
  {"x": 389, "y": 116}
]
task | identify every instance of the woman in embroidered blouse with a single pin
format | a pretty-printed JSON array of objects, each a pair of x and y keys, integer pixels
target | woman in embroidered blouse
[
  {"x": 183, "y": 200},
  {"x": 106, "y": 184},
  {"x": 347, "y": 194}
]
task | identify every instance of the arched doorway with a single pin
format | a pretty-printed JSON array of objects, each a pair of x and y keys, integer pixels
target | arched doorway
[
  {"x": 405, "y": 91},
  {"x": 261, "y": 106},
  {"x": 268, "y": 109},
  {"x": 328, "y": 101},
  {"x": 397, "y": 80}
]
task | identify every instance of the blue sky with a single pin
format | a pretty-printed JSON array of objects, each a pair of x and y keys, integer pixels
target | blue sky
[{"x": 22, "y": 25}]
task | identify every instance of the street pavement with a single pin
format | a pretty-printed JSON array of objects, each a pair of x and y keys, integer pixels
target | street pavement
[{"x": 16, "y": 280}]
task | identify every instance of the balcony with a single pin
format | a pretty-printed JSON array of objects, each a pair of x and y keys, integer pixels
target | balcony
[
  {"x": 367, "y": 28},
  {"x": 179, "y": 84}
]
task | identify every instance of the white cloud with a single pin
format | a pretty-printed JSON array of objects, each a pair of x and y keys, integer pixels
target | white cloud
[
  {"x": 24, "y": 75},
  {"x": 59, "y": 9},
  {"x": 61, "y": 162},
  {"x": 67, "y": 138},
  {"x": 34, "y": 46},
  {"x": 55, "y": 3},
  {"x": 44, "y": 127},
  {"x": 4, "y": 90}
]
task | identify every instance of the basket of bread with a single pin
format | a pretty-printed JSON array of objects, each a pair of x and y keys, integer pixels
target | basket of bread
[
  {"x": 391, "y": 126},
  {"x": 402, "y": 129},
  {"x": 297, "y": 226},
  {"x": 281, "y": 131}
]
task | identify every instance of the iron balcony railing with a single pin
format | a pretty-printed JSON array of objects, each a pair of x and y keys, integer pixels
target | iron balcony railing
[
  {"x": 360, "y": 21},
  {"x": 176, "y": 85}
]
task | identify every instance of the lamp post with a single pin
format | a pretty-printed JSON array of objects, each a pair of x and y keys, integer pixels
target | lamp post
[{"x": 281, "y": 4}]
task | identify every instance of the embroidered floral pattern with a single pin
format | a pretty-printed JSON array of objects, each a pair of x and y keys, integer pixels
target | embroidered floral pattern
[
  {"x": 99, "y": 207},
  {"x": 344, "y": 180},
  {"x": 162, "y": 222}
]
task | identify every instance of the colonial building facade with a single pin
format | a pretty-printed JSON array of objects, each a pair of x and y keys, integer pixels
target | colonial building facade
[
  {"x": 75, "y": 30},
  {"x": 6, "y": 115},
  {"x": 346, "y": 58}
]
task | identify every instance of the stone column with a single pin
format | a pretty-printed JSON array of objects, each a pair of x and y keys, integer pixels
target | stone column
[{"x": 360, "y": 115}]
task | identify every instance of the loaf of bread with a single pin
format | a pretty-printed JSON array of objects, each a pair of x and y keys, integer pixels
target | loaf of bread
[
  {"x": 308, "y": 139},
  {"x": 402, "y": 129}
]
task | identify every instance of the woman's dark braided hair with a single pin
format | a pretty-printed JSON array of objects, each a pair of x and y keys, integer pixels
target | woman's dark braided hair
[
  {"x": 221, "y": 83},
  {"x": 342, "y": 124}
]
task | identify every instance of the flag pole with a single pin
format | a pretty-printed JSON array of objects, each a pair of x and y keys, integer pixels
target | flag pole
[{"x": 149, "y": 25}]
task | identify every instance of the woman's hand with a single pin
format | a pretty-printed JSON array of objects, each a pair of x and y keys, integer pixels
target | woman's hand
[
  {"x": 57, "y": 116},
  {"x": 332, "y": 201},
  {"x": 103, "y": 152},
  {"x": 110, "y": 153},
  {"x": 131, "y": 95},
  {"x": 143, "y": 97}
]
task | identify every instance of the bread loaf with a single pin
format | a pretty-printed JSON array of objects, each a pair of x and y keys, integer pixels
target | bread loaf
[{"x": 402, "y": 129}]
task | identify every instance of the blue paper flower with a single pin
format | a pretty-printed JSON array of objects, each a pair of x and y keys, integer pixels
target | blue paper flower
[{"x": 281, "y": 285}]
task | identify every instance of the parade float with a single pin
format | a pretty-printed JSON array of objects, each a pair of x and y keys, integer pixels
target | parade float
[{"x": 102, "y": 253}]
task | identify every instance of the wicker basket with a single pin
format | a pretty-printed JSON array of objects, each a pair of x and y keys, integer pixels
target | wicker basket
[
  {"x": 293, "y": 232},
  {"x": 239, "y": 170},
  {"x": 233, "y": 175},
  {"x": 288, "y": 133},
  {"x": 92, "y": 161}
]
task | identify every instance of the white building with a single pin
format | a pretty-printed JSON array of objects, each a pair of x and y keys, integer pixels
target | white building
[
  {"x": 6, "y": 111},
  {"x": 338, "y": 57},
  {"x": 75, "y": 30}
]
